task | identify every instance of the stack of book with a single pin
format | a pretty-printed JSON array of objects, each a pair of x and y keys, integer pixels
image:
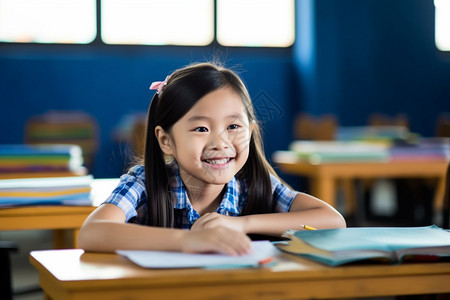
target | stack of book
[
  {"x": 317, "y": 152},
  {"x": 380, "y": 134},
  {"x": 424, "y": 148},
  {"x": 22, "y": 161},
  {"x": 74, "y": 190}
]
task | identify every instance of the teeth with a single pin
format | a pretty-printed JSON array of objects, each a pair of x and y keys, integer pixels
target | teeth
[{"x": 217, "y": 161}]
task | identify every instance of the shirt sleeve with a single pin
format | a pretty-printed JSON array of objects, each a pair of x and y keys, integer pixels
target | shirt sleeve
[
  {"x": 130, "y": 193},
  {"x": 283, "y": 195}
]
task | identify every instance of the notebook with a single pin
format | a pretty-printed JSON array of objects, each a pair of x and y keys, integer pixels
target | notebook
[
  {"x": 262, "y": 253},
  {"x": 336, "y": 247}
]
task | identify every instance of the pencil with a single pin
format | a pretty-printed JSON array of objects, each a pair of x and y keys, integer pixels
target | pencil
[
  {"x": 308, "y": 227},
  {"x": 266, "y": 261}
]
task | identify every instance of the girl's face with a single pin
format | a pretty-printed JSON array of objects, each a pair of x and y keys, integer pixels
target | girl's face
[{"x": 211, "y": 142}]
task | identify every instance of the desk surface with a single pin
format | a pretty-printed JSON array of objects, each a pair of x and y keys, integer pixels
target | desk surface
[
  {"x": 56, "y": 217},
  {"x": 74, "y": 274}
]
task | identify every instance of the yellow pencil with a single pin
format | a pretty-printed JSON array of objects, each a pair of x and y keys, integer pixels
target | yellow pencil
[{"x": 308, "y": 227}]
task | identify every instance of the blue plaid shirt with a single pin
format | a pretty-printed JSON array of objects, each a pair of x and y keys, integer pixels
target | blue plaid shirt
[{"x": 130, "y": 195}]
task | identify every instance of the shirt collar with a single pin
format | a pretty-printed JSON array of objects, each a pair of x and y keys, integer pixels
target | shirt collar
[
  {"x": 230, "y": 201},
  {"x": 229, "y": 205}
]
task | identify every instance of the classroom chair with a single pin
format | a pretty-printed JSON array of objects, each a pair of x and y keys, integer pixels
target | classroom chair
[
  {"x": 65, "y": 127},
  {"x": 130, "y": 134},
  {"x": 6, "y": 247},
  {"x": 138, "y": 138},
  {"x": 378, "y": 119},
  {"x": 443, "y": 125},
  {"x": 446, "y": 202},
  {"x": 374, "y": 187},
  {"x": 414, "y": 208},
  {"x": 443, "y": 131},
  {"x": 324, "y": 128},
  {"x": 387, "y": 187},
  {"x": 316, "y": 128}
]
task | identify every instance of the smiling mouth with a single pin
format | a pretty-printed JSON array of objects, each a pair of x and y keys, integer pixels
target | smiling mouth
[{"x": 221, "y": 161}]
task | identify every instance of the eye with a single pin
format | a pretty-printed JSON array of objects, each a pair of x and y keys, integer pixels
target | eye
[
  {"x": 201, "y": 129},
  {"x": 233, "y": 127}
]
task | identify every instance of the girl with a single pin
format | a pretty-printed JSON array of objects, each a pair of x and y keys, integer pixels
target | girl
[{"x": 203, "y": 170}]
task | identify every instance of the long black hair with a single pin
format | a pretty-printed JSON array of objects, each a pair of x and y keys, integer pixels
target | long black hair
[{"x": 183, "y": 89}]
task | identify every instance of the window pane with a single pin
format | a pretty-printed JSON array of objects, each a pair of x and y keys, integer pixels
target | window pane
[
  {"x": 442, "y": 34},
  {"x": 48, "y": 21},
  {"x": 156, "y": 22},
  {"x": 269, "y": 23}
]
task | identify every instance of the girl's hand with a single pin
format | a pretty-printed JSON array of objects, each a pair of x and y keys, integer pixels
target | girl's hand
[
  {"x": 213, "y": 220},
  {"x": 219, "y": 239}
]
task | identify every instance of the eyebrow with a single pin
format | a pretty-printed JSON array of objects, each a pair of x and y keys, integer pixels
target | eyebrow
[{"x": 200, "y": 118}]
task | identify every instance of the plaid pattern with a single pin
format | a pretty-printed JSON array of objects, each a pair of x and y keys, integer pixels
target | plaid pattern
[{"x": 131, "y": 197}]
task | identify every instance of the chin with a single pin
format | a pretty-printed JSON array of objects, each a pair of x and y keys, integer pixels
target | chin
[{"x": 218, "y": 179}]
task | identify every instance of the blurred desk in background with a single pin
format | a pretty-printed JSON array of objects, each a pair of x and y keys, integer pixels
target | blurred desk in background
[
  {"x": 324, "y": 176},
  {"x": 58, "y": 218}
]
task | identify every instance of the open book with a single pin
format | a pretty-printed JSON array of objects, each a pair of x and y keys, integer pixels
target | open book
[{"x": 385, "y": 244}]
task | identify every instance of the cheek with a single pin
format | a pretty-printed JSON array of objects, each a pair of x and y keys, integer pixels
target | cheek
[
  {"x": 193, "y": 148},
  {"x": 241, "y": 141}
]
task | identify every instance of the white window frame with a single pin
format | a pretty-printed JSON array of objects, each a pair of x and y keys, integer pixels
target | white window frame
[
  {"x": 442, "y": 24},
  {"x": 48, "y": 21},
  {"x": 256, "y": 23},
  {"x": 152, "y": 22},
  {"x": 249, "y": 23}
]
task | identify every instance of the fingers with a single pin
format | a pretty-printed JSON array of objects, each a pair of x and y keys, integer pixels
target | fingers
[
  {"x": 206, "y": 221},
  {"x": 234, "y": 243},
  {"x": 220, "y": 239},
  {"x": 209, "y": 217}
]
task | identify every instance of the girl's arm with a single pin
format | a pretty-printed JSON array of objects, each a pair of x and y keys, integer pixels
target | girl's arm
[
  {"x": 305, "y": 210},
  {"x": 105, "y": 230}
]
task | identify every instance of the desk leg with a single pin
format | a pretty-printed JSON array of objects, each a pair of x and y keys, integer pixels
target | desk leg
[
  {"x": 324, "y": 188},
  {"x": 47, "y": 297},
  {"x": 348, "y": 186},
  {"x": 62, "y": 241},
  {"x": 438, "y": 202},
  {"x": 76, "y": 233},
  {"x": 59, "y": 239}
]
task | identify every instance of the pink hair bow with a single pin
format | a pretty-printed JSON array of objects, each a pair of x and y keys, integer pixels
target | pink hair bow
[{"x": 159, "y": 85}]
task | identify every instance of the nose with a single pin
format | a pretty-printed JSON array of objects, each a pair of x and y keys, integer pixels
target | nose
[{"x": 219, "y": 141}]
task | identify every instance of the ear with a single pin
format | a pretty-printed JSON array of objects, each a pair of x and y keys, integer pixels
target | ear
[{"x": 164, "y": 140}]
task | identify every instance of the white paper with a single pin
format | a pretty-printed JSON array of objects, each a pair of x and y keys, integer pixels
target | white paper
[{"x": 167, "y": 259}]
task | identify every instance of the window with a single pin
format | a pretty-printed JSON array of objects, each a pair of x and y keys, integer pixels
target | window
[
  {"x": 442, "y": 25},
  {"x": 268, "y": 23},
  {"x": 246, "y": 23},
  {"x": 156, "y": 22},
  {"x": 48, "y": 21}
]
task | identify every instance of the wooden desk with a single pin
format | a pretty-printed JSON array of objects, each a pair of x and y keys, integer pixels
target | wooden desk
[
  {"x": 325, "y": 176},
  {"x": 73, "y": 274},
  {"x": 56, "y": 217}
]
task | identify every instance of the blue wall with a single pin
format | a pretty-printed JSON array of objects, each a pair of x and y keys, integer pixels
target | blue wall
[
  {"x": 109, "y": 83},
  {"x": 351, "y": 58},
  {"x": 372, "y": 56}
]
